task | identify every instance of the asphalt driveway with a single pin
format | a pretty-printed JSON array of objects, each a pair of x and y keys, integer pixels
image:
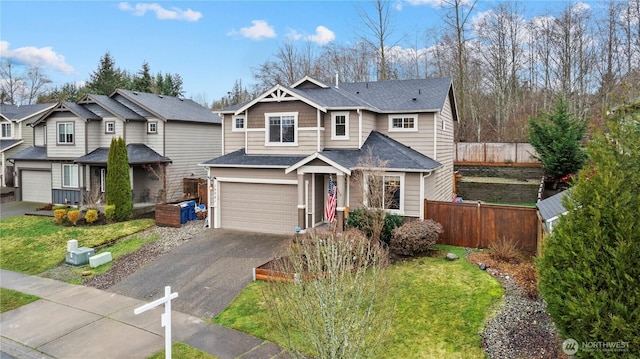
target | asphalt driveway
[
  {"x": 207, "y": 272},
  {"x": 18, "y": 208}
]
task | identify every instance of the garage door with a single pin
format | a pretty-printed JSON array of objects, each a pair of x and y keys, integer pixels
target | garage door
[
  {"x": 267, "y": 208},
  {"x": 36, "y": 186}
]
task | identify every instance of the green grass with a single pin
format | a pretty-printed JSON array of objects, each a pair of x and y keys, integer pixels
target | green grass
[
  {"x": 11, "y": 299},
  {"x": 183, "y": 351},
  {"x": 440, "y": 310},
  {"x": 32, "y": 244}
]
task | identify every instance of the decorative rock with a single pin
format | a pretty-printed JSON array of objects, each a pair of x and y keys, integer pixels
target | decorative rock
[
  {"x": 483, "y": 266},
  {"x": 86, "y": 273},
  {"x": 451, "y": 257}
]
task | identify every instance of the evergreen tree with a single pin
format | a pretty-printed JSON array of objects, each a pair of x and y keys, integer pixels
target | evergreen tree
[
  {"x": 143, "y": 81},
  {"x": 67, "y": 92},
  {"x": 557, "y": 139},
  {"x": 107, "y": 78},
  {"x": 590, "y": 271},
  {"x": 118, "y": 181}
]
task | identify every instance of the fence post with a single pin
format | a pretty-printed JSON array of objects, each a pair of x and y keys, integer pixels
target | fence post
[{"x": 478, "y": 225}]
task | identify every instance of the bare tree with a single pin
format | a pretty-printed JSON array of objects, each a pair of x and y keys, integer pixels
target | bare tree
[
  {"x": 340, "y": 301},
  {"x": 12, "y": 83},
  {"x": 35, "y": 82},
  {"x": 379, "y": 27}
]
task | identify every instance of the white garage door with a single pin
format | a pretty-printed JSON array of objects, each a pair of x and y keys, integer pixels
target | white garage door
[
  {"x": 266, "y": 208},
  {"x": 36, "y": 186}
]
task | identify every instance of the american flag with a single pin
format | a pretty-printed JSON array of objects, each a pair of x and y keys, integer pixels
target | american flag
[{"x": 330, "y": 211}]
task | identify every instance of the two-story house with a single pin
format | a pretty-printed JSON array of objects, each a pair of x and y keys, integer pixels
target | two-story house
[
  {"x": 16, "y": 135},
  {"x": 281, "y": 150},
  {"x": 166, "y": 138}
]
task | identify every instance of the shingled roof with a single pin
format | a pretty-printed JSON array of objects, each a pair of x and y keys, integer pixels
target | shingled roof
[
  {"x": 171, "y": 108},
  {"x": 33, "y": 153},
  {"x": 136, "y": 152},
  {"x": 17, "y": 113}
]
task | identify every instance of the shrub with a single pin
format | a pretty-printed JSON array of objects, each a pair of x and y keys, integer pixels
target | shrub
[
  {"x": 589, "y": 273},
  {"x": 91, "y": 216},
  {"x": 60, "y": 215},
  {"x": 110, "y": 212},
  {"x": 73, "y": 216},
  {"x": 363, "y": 220},
  {"x": 415, "y": 237},
  {"x": 505, "y": 250},
  {"x": 118, "y": 182}
]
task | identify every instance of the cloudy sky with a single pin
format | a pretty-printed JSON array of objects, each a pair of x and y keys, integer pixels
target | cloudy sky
[{"x": 209, "y": 43}]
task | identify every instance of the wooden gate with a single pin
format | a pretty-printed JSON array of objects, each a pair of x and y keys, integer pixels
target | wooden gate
[{"x": 477, "y": 225}]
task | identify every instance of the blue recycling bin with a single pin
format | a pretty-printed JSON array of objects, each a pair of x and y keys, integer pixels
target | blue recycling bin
[{"x": 191, "y": 205}]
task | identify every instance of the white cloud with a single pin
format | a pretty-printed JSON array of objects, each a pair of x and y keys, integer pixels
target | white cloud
[
  {"x": 43, "y": 56},
  {"x": 258, "y": 31},
  {"x": 161, "y": 13},
  {"x": 293, "y": 35},
  {"x": 322, "y": 36}
]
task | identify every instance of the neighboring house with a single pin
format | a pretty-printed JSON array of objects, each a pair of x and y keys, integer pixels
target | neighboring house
[
  {"x": 281, "y": 149},
  {"x": 166, "y": 138},
  {"x": 551, "y": 209},
  {"x": 15, "y": 135}
]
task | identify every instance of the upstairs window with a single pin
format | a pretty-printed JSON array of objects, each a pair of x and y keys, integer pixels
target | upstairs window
[
  {"x": 152, "y": 127},
  {"x": 6, "y": 130},
  {"x": 110, "y": 127},
  {"x": 340, "y": 126},
  {"x": 65, "y": 133},
  {"x": 281, "y": 128},
  {"x": 403, "y": 122},
  {"x": 238, "y": 123}
]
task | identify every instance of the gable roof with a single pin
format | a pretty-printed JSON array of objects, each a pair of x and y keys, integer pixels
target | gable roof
[
  {"x": 170, "y": 108},
  {"x": 393, "y": 96},
  {"x": 20, "y": 113},
  {"x": 76, "y": 109},
  {"x": 136, "y": 152},
  {"x": 112, "y": 106},
  {"x": 552, "y": 207}
]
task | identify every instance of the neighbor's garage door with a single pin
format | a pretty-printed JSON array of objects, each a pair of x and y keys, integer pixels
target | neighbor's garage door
[
  {"x": 267, "y": 208},
  {"x": 36, "y": 186}
]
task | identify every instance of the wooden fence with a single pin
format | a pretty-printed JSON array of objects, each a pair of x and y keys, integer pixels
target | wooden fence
[
  {"x": 500, "y": 154},
  {"x": 477, "y": 225}
]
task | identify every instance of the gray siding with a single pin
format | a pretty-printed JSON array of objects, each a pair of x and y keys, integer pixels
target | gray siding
[
  {"x": 38, "y": 135},
  {"x": 188, "y": 144},
  {"x": 156, "y": 141},
  {"x": 96, "y": 135},
  {"x": 421, "y": 140},
  {"x": 70, "y": 196},
  {"x": 233, "y": 140},
  {"x": 352, "y": 142},
  {"x": 135, "y": 132},
  {"x": 445, "y": 154},
  {"x": 55, "y": 150},
  {"x": 412, "y": 195}
]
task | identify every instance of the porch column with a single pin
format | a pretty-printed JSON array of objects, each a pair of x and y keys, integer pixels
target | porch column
[
  {"x": 301, "y": 206},
  {"x": 340, "y": 204}
]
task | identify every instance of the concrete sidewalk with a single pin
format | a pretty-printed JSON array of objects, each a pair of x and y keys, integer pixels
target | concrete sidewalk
[{"x": 74, "y": 321}]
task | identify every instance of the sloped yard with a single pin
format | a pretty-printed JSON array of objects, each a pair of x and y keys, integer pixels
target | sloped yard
[{"x": 440, "y": 310}]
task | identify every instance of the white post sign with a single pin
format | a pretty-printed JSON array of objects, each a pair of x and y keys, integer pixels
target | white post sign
[{"x": 165, "y": 319}]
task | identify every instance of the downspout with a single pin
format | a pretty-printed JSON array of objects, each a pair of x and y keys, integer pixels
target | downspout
[
  {"x": 435, "y": 136},
  {"x": 359, "y": 128},
  {"x": 318, "y": 149},
  {"x": 422, "y": 193}
]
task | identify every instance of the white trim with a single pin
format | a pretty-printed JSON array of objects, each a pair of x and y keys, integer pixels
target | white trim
[
  {"x": 234, "y": 118},
  {"x": 306, "y": 203},
  {"x": 404, "y": 117},
  {"x": 71, "y": 173},
  {"x": 149, "y": 131},
  {"x": 399, "y": 211},
  {"x": 359, "y": 128},
  {"x": 346, "y": 125},
  {"x": 222, "y": 147},
  {"x": 279, "y": 93},
  {"x": 318, "y": 121},
  {"x": 267, "y": 128},
  {"x": 312, "y": 157},
  {"x": 257, "y": 180},
  {"x": 103, "y": 180},
  {"x": 73, "y": 132},
  {"x": 310, "y": 79},
  {"x": 10, "y": 125},
  {"x": 106, "y": 126}
]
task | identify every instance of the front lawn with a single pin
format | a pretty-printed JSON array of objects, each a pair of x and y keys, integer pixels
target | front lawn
[
  {"x": 11, "y": 299},
  {"x": 440, "y": 310},
  {"x": 32, "y": 244}
]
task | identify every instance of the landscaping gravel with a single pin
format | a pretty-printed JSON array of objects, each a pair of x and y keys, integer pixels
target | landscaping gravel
[
  {"x": 168, "y": 238},
  {"x": 521, "y": 328}
]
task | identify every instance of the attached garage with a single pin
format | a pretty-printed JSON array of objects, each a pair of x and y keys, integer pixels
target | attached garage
[
  {"x": 266, "y": 208},
  {"x": 36, "y": 186}
]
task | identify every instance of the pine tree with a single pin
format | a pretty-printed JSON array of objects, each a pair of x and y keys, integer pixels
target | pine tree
[
  {"x": 118, "y": 180},
  {"x": 557, "y": 139},
  {"x": 590, "y": 271},
  {"x": 107, "y": 78},
  {"x": 143, "y": 82}
]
